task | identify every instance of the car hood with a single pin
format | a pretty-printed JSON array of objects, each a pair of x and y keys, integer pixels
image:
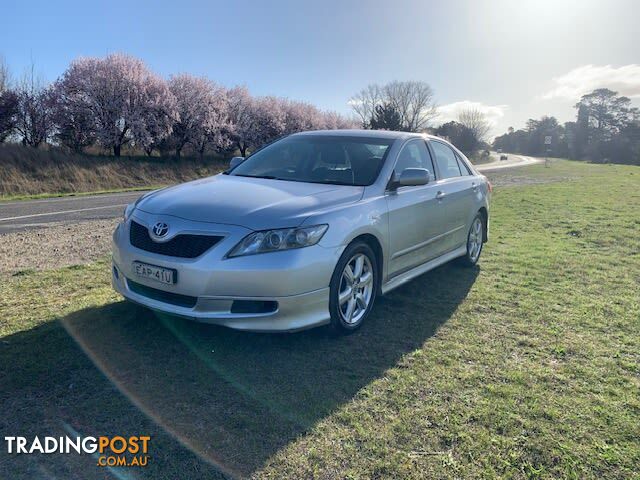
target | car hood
[{"x": 254, "y": 203}]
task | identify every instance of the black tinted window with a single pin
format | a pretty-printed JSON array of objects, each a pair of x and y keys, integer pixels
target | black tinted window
[
  {"x": 342, "y": 160},
  {"x": 446, "y": 160}
]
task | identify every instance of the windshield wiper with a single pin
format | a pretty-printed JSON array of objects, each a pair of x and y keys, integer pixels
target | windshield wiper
[
  {"x": 334, "y": 182},
  {"x": 269, "y": 177}
]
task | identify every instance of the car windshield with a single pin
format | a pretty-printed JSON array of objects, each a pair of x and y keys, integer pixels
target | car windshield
[{"x": 333, "y": 159}]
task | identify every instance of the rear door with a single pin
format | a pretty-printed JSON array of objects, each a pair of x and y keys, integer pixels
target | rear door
[
  {"x": 455, "y": 192},
  {"x": 414, "y": 216}
]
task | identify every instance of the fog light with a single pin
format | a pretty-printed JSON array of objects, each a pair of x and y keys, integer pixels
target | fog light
[{"x": 253, "y": 306}]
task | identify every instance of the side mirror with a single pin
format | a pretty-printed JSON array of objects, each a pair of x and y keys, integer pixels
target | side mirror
[
  {"x": 411, "y": 177},
  {"x": 235, "y": 161}
]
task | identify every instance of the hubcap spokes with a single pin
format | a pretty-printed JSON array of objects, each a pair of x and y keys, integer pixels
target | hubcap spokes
[
  {"x": 356, "y": 288},
  {"x": 474, "y": 243}
]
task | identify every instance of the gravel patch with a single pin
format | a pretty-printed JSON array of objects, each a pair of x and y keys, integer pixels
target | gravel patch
[
  {"x": 511, "y": 179},
  {"x": 55, "y": 246}
]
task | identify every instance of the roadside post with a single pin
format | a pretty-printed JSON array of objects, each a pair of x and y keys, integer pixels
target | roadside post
[{"x": 547, "y": 143}]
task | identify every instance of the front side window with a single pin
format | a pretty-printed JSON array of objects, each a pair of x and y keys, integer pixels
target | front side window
[
  {"x": 446, "y": 159},
  {"x": 414, "y": 155},
  {"x": 339, "y": 159}
]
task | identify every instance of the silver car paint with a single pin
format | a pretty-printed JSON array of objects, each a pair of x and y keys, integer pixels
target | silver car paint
[
  {"x": 255, "y": 203},
  {"x": 417, "y": 228}
]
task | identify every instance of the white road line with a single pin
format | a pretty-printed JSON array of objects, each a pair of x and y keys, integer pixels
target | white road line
[
  {"x": 71, "y": 198},
  {"x": 61, "y": 212}
]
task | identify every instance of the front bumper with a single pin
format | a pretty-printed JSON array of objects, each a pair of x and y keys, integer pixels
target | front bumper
[{"x": 295, "y": 282}]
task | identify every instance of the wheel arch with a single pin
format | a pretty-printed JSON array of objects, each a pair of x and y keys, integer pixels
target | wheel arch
[{"x": 376, "y": 246}]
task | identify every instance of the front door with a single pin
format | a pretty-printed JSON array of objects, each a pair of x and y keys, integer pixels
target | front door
[{"x": 415, "y": 219}]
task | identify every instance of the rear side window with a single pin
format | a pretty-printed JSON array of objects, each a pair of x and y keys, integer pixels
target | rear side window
[
  {"x": 464, "y": 170},
  {"x": 446, "y": 160}
]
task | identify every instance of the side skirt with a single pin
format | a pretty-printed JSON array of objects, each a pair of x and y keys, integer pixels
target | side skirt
[{"x": 403, "y": 278}]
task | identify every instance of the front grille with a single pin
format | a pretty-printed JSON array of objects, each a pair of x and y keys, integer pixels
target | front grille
[
  {"x": 162, "y": 296},
  {"x": 183, "y": 245}
]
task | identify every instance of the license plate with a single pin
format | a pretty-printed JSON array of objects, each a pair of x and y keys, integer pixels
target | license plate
[{"x": 153, "y": 272}]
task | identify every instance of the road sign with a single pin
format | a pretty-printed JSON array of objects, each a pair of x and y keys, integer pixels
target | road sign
[{"x": 547, "y": 140}]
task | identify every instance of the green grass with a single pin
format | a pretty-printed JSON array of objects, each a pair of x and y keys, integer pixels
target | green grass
[{"x": 527, "y": 367}]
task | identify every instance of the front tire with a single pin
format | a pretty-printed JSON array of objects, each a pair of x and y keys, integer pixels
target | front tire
[
  {"x": 475, "y": 241},
  {"x": 353, "y": 288}
]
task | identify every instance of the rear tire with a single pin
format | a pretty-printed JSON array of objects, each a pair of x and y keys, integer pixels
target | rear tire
[
  {"x": 475, "y": 241},
  {"x": 353, "y": 288}
]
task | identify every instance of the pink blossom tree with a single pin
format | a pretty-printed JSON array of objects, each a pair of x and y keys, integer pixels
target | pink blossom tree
[
  {"x": 243, "y": 131},
  {"x": 214, "y": 131},
  {"x": 125, "y": 100},
  {"x": 155, "y": 121},
  {"x": 333, "y": 120},
  {"x": 254, "y": 121},
  {"x": 270, "y": 119},
  {"x": 202, "y": 114},
  {"x": 301, "y": 116}
]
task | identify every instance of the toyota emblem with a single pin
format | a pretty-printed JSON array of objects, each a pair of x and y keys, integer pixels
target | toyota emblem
[{"x": 160, "y": 229}]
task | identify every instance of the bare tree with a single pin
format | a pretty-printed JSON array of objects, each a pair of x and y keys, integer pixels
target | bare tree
[
  {"x": 412, "y": 100},
  {"x": 8, "y": 103},
  {"x": 365, "y": 102},
  {"x": 33, "y": 120},
  {"x": 5, "y": 77},
  {"x": 75, "y": 126},
  {"x": 476, "y": 121}
]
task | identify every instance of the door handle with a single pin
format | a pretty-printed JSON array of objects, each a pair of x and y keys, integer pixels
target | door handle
[
  {"x": 474, "y": 186},
  {"x": 440, "y": 195}
]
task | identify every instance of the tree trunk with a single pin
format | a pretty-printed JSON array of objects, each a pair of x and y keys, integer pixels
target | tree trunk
[
  {"x": 116, "y": 150},
  {"x": 243, "y": 150},
  {"x": 178, "y": 151}
]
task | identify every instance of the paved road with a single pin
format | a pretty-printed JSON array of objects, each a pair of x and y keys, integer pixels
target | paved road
[
  {"x": 22, "y": 215},
  {"x": 511, "y": 162}
]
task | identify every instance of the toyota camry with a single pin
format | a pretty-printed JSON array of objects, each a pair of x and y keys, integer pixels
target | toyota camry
[{"x": 306, "y": 231}]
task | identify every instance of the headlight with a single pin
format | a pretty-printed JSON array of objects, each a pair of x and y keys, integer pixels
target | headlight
[
  {"x": 128, "y": 210},
  {"x": 281, "y": 239}
]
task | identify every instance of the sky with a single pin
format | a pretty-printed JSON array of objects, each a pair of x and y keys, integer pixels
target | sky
[{"x": 513, "y": 59}]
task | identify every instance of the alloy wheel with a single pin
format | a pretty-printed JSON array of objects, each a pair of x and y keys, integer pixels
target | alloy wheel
[
  {"x": 356, "y": 289},
  {"x": 474, "y": 242}
]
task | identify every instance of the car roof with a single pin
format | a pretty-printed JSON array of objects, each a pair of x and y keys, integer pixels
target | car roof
[{"x": 363, "y": 133}]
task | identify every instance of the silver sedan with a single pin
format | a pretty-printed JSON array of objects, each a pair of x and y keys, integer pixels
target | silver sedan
[{"x": 306, "y": 231}]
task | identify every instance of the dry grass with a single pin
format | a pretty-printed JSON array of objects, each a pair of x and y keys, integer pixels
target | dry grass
[{"x": 27, "y": 171}]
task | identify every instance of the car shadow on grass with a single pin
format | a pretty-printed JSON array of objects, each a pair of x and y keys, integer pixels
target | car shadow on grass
[{"x": 204, "y": 392}]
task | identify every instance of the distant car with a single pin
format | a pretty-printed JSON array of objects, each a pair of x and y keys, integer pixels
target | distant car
[
  {"x": 304, "y": 232},
  {"x": 504, "y": 157},
  {"x": 499, "y": 150}
]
